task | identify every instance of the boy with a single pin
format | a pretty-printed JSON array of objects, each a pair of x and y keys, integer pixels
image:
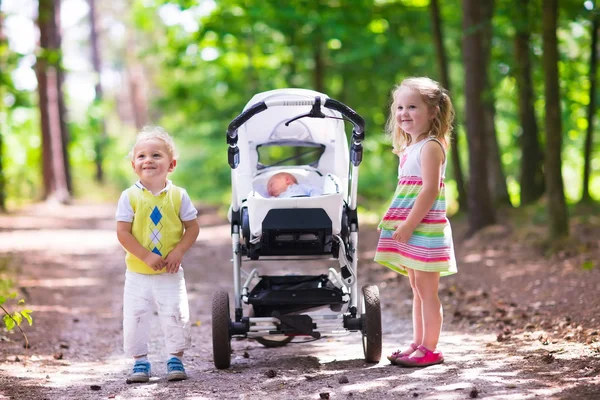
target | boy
[{"x": 156, "y": 224}]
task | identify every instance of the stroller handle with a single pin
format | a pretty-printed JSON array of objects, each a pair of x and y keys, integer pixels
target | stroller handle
[{"x": 358, "y": 131}]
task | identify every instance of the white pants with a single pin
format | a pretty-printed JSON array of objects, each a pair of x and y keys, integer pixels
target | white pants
[{"x": 165, "y": 291}]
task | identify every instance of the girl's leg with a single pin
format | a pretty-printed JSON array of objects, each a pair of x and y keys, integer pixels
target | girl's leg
[
  {"x": 416, "y": 319},
  {"x": 427, "y": 284},
  {"x": 417, "y": 310},
  {"x": 137, "y": 307}
]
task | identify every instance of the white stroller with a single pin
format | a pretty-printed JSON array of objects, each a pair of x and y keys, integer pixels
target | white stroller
[{"x": 300, "y": 132}]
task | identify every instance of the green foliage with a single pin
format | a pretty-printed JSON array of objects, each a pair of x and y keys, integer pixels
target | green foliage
[
  {"x": 203, "y": 72},
  {"x": 15, "y": 317},
  {"x": 588, "y": 265}
]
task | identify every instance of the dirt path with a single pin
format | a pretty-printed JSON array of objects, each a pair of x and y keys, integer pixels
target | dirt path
[{"x": 509, "y": 332}]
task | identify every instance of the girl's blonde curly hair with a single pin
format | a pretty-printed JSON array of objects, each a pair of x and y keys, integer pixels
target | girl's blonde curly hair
[
  {"x": 436, "y": 98},
  {"x": 155, "y": 132}
]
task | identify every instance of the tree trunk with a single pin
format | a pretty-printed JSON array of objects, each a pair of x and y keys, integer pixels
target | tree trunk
[
  {"x": 497, "y": 179},
  {"x": 61, "y": 191},
  {"x": 481, "y": 211},
  {"x": 3, "y": 45},
  {"x": 585, "y": 195},
  {"x": 100, "y": 135},
  {"x": 137, "y": 88},
  {"x": 557, "y": 209},
  {"x": 60, "y": 79},
  {"x": 531, "y": 177},
  {"x": 54, "y": 167},
  {"x": 442, "y": 62}
]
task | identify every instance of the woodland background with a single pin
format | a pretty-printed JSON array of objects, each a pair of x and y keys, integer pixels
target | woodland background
[{"x": 78, "y": 78}]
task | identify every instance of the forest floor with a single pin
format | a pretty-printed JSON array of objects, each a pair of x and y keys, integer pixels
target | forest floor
[{"x": 519, "y": 324}]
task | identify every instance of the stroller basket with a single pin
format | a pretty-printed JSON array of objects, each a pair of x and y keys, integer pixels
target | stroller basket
[{"x": 293, "y": 293}]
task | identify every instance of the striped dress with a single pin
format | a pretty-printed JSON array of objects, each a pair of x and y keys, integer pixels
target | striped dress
[{"x": 430, "y": 248}]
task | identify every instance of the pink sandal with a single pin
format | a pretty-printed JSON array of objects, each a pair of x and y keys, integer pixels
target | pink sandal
[
  {"x": 429, "y": 358},
  {"x": 397, "y": 354}
]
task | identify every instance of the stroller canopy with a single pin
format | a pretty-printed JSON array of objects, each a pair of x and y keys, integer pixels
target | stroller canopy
[{"x": 268, "y": 128}]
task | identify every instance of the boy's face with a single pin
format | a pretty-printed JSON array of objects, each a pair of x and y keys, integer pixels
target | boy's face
[
  {"x": 152, "y": 161},
  {"x": 278, "y": 184}
]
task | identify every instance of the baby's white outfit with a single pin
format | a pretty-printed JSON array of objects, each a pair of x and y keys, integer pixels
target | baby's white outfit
[{"x": 299, "y": 189}]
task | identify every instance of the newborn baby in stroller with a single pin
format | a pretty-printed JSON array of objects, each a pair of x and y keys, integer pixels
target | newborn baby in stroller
[{"x": 284, "y": 185}]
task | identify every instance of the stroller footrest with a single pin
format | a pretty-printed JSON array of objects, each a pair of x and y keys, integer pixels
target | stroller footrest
[{"x": 302, "y": 231}]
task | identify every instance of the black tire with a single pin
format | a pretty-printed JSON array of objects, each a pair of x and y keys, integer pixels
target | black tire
[
  {"x": 272, "y": 341},
  {"x": 221, "y": 323},
  {"x": 371, "y": 324}
]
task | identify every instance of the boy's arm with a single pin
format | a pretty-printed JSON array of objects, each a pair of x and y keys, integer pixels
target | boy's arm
[
  {"x": 130, "y": 243},
  {"x": 173, "y": 260}
]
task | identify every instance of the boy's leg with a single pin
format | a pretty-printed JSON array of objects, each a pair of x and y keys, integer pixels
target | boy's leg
[
  {"x": 173, "y": 312},
  {"x": 137, "y": 306}
]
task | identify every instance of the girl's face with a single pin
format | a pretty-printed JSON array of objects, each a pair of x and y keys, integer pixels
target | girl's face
[
  {"x": 152, "y": 161},
  {"x": 412, "y": 114}
]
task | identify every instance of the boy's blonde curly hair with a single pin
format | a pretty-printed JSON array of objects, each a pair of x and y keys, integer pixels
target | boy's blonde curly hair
[{"x": 149, "y": 132}]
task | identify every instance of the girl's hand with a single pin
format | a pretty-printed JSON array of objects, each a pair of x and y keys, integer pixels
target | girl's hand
[
  {"x": 154, "y": 261},
  {"x": 173, "y": 261},
  {"x": 402, "y": 233}
]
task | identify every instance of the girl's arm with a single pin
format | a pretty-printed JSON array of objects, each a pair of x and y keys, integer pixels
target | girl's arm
[
  {"x": 432, "y": 158},
  {"x": 173, "y": 259},
  {"x": 130, "y": 243}
]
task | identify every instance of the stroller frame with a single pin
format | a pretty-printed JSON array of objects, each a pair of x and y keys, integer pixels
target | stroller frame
[{"x": 280, "y": 303}]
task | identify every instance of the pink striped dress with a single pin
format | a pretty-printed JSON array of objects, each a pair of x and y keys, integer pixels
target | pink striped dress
[{"x": 430, "y": 248}]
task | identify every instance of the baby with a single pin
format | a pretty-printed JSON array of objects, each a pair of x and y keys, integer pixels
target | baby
[{"x": 284, "y": 184}]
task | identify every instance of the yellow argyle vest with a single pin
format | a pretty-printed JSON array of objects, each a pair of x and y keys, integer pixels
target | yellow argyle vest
[{"x": 156, "y": 224}]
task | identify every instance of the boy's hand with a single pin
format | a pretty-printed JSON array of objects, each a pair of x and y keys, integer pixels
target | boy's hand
[
  {"x": 173, "y": 261},
  {"x": 154, "y": 261},
  {"x": 402, "y": 233}
]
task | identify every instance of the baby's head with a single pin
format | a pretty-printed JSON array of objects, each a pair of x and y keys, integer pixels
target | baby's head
[
  {"x": 279, "y": 183},
  {"x": 155, "y": 133}
]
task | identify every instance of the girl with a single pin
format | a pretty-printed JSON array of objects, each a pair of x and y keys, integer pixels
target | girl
[{"x": 416, "y": 239}]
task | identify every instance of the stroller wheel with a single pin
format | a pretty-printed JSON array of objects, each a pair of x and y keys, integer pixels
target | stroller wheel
[
  {"x": 271, "y": 341},
  {"x": 221, "y": 323},
  {"x": 371, "y": 323}
]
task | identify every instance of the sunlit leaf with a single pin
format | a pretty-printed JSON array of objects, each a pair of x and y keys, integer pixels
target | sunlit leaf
[
  {"x": 588, "y": 265},
  {"x": 25, "y": 314},
  {"x": 8, "y": 322},
  {"x": 17, "y": 317}
]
